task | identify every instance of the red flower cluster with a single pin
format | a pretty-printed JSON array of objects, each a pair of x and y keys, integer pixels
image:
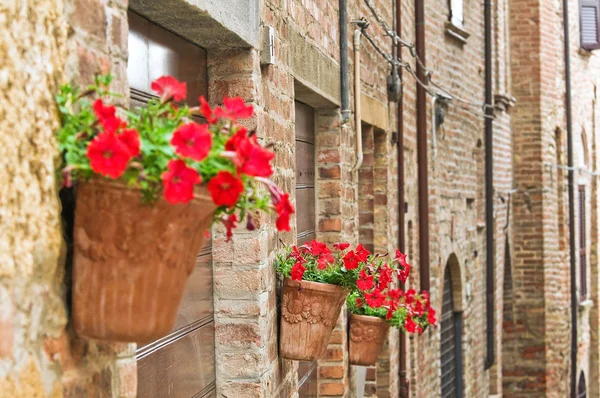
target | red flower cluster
[
  {"x": 179, "y": 182},
  {"x": 314, "y": 254},
  {"x": 374, "y": 290},
  {"x": 192, "y": 140},
  {"x": 111, "y": 151},
  {"x": 229, "y": 157}
]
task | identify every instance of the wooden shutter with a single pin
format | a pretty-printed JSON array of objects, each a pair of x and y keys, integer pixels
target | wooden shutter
[
  {"x": 182, "y": 364},
  {"x": 589, "y": 21},
  {"x": 450, "y": 343},
  {"x": 582, "y": 244},
  {"x": 305, "y": 215}
]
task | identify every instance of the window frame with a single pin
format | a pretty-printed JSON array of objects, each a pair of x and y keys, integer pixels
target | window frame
[
  {"x": 583, "y": 260},
  {"x": 453, "y": 6}
]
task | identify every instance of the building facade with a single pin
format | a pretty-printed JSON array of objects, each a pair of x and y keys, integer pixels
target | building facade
[{"x": 504, "y": 323}]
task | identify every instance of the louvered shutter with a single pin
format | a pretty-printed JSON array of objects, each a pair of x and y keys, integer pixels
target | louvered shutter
[{"x": 589, "y": 17}]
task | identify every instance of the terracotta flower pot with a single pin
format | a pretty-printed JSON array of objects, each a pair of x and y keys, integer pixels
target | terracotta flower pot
[
  {"x": 367, "y": 335},
  {"x": 132, "y": 261},
  {"x": 309, "y": 312}
]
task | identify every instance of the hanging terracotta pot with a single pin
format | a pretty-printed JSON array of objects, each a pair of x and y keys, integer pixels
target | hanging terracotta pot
[
  {"x": 309, "y": 312},
  {"x": 132, "y": 261},
  {"x": 367, "y": 335}
]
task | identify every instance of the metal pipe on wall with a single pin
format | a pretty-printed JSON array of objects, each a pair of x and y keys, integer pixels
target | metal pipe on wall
[
  {"x": 357, "y": 90},
  {"x": 344, "y": 68},
  {"x": 422, "y": 148},
  {"x": 572, "y": 244},
  {"x": 489, "y": 192},
  {"x": 403, "y": 381}
]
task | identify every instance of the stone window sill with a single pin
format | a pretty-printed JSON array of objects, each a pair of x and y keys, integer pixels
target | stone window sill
[{"x": 456, "y": 32}]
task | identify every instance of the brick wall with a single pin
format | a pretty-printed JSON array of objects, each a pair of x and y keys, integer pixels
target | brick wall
[{"x": 79, "y": 38}]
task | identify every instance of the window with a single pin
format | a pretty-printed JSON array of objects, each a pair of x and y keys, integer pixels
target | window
[
  {"x": 451, "y": 342},
  {"x": 305, "y": 215},
  {"x": 589, "y": 21},
  {"x": 581, "y": 388},
  {"x": 456, "y": 13},
  {"x": 181, "y": 364},
  {"x": 582, "y": 245}
]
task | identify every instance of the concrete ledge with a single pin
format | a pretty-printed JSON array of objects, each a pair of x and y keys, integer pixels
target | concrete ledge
[
  {"x": 314, "y": 70},
  {"x": 209, "y": 24},
  {"x": 374, "y": 113}
]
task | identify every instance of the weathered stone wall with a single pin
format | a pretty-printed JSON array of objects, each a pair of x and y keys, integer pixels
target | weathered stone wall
[
  {"x": 31, "y": 309},
  {"x": 46, "y": 43}
]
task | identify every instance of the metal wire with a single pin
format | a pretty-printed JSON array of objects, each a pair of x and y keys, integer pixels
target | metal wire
[{"x": 427, "y": 72}]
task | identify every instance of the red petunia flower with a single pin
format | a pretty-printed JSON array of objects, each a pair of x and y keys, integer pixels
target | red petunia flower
[
  {"x": 179, "y": 181},
  {"x": 295, "y": 253},
  {"x": 234, "y": 109},
  {"x": 298, "y": 271},
  {"x": 395, "y": 294},
  {"x": 284, "y": 210},
  {"x": 341, "y": 246},
  {"x": 385, "y": 277},
  {"x": 168, "y": 87},
  {"x": 207, "y": 111},
  {"x": 410, "y": 296},
  {"x": 192, "y": 140},
  {"x": 131, "y": 139},
  {"x": 108, "y": 155},
  {"x": 359, "y": 302},
  {"x": 107, "y": 117},
  {"x": 351, "y": 260},
  {"x": 410, "y": 325},
  {"x": 234, "y": 141},
  {"x": 362, "y": 253},
  {"x": 252, "y": 159},
  {"x": 375, "y": 299},
  {"x": 364, "y": 281},
  {"x": 390, "y": 314},
  {"x": 431, "y": 316},
  {"x": 225, "y": 189},
  {"x": 403, "y": 273},
  {"x": 318, "y": 248},
  {"x": 229, "y": 221},
  {"x": 418, "y": 308}
]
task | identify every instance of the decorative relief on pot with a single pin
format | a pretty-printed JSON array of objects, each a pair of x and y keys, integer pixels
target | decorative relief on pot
[
  {"x": 309, "y": 311},
  {"x": 298, "y": 307},
  {"x": 366, "y": 333}
]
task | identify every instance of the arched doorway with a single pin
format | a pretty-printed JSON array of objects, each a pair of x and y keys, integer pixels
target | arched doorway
[
  {"x": 581, "y": 388},
  {"x": 451, "y": 333}
]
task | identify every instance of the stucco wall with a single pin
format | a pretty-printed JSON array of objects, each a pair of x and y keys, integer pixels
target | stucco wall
[{"x": 31, "y": 310}]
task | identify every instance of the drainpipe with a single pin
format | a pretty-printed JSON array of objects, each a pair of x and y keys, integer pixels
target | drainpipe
[
  {"x": 489, "y": 191},
  {"x": 422, "y": 149},
  {"x": 401, "y": 215},
  {"x": 569, "y": 114},
  {"x": 345, "y": 90},
  {"x": 357, "y": 116},
  {"x": 434, "y": 100}
]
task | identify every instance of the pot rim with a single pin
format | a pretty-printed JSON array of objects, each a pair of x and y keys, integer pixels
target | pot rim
[
  {"x": 201, "y": 193},
  {"x": 368, "y": 319},
  {"x": 314, "y": 286}
]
